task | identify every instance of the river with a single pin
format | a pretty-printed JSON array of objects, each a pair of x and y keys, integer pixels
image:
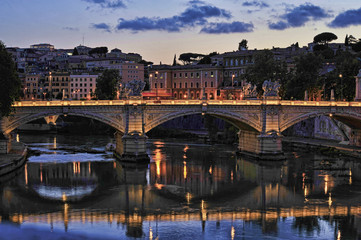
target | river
[{"x": 189, "y": 190}]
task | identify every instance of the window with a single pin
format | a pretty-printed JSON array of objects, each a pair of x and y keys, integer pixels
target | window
[
  {"x": 155, "y": 85},
  {"x": 197, "y": 84},
  {"x": 161, "y": 85},
  {"x": 180, "y": 85},
  {"x": 197, "y": 75},
  {"x": 192, "y": 75},
  {"x": 180, "y": 75},
  {"x": 186, "y": 75},
  {"x": 186, "y": 85},
  {"x": 175, "y": 75},
  {"x": 211, "y": 84},
  {"x": 212, "y": 74},
  {"x": 191, "y": 85},
  {"x": 205, "y": 84},
  {"x": 206, "y": 74},
  {"x": 175, "y": 85}
]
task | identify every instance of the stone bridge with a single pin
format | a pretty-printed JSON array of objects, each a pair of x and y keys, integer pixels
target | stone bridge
[{"x": 261, "y": 122}]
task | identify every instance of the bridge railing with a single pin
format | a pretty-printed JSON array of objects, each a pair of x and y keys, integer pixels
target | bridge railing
[{"x": 183, "y": 102}]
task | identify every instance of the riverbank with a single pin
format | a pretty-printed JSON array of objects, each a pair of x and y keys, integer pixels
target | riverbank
[
  {"x": 325, "y": 147},
  {"x": 13, "y": 160}
]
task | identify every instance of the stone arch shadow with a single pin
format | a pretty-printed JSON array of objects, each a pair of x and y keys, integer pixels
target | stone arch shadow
[
  {"x": 237, "y": 120},
  {"x": 352, "y": 120},
  {"x": 8, "y": 126}
]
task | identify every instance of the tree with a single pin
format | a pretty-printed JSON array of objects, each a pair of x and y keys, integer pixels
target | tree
[
  {"x": 188, "y": 58},
  {"x": 99, "y": 50},
  {"x": 107, "y": 84},
  {"x": 243, "y": 45},
  {"x": 75, "y": 52},
  {"x": 174, "y": 61},
  {"x": 265, "y": 67},
  {"x": 324, "y": 38},
  {"x": 59, "y": 96},
  {"x": 306, "y": 76},
  {"x": 10, "y": 85},
  {"x": 207, "y": 59}
]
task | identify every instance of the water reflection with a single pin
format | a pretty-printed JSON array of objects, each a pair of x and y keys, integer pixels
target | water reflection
[{"x": 201, "y": 191}]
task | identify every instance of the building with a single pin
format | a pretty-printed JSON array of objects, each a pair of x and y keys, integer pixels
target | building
[
  {"x": 43, "y": 47},
  {"x": 184, "y": 82},
  {"x": 32, "y": 87},
  {"x": 132, "y": 71},
  {"x": 83, "y": 86},
  {"x": 57, "y": 85}
]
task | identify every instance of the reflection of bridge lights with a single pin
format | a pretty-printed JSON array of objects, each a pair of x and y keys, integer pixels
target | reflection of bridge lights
[
  {"x": 233, "y": 232},
  {"x": 210, "y": 170},
  {"x": 188, "y": 197},
  {"x": 157, "y": 163},
  {"x": 150, "y": 233},
  {"x": 185, "y": 170},
  {"x": 329, "y": 200},
  {"x": 76, "y": 167},
  {"x": 338, "y": 235},
  {"x": 350, "y": 179},
  {"x": 26, "y": 174},
  {"x": 54, "y": 142},
  {"x": 326, "y": 184},
  {"x": 17, "y": 138},
  {"x": 41, "y": 173},
  {"x": 64, "y": 197}
]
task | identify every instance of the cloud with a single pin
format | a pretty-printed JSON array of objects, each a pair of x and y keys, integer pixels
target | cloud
[
  {"x": 197, "y": 14},
  {"x": 234, "y": 27},
  {"x": 113, "y": 4},
  {"x": 299, "y": 16},
  {"x": 101, "y": 26},
  {"x": 71, "y": 29},
  {"x": 281, "y": 25},
  {"x": 259, "y": 4},
  {"x": 346, "y": 19}
]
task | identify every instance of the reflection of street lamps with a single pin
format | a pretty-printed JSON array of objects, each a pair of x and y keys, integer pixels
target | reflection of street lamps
[{"x": 341, "y": 87}]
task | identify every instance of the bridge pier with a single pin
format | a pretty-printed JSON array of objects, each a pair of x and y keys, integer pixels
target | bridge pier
[
  {"x": 132, "y": 146},
  {"x": 267, "y": 146}
]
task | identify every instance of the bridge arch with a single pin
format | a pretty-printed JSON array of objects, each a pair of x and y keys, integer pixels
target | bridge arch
[
  {"x": 11, "y": 123},
  {"x": 351, "y": 119},
  {"x": 237, "y": 120}
]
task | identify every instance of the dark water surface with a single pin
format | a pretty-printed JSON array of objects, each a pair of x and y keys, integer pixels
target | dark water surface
[{"x": 188, "y": 191}]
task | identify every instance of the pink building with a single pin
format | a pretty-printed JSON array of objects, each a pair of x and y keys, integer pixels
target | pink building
[
  {"x": 82, "y": 86},
  {"x": 132, "y": 71},
  {"x": 184, "y": 82}
]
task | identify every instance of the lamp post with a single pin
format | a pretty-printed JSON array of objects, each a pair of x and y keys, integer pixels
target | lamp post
[
  {"x": 50, "y": 87},
  {"x": 341, "y": 87},
  {"x": 156, "y": 86},
  {"x": 25, "y": 92}
]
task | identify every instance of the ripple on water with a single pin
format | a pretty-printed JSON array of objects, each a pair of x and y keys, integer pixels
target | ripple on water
[{"x": 64, "y": 157}]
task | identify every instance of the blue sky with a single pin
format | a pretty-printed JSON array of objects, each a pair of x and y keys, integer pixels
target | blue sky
[{"x": 158, "y": 29}]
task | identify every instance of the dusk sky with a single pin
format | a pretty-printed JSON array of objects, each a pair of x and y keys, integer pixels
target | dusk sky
[{"x": 158, "y": 29}]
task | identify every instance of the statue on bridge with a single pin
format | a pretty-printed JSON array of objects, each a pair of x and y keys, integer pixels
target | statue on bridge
[
  {"x": 250, "y": 91},
  {"x": 134, "y": 88},
  {"x": 271, "y": 89}
]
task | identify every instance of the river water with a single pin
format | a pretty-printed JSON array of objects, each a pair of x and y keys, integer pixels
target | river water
[{"x": 188, "y": 191}]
